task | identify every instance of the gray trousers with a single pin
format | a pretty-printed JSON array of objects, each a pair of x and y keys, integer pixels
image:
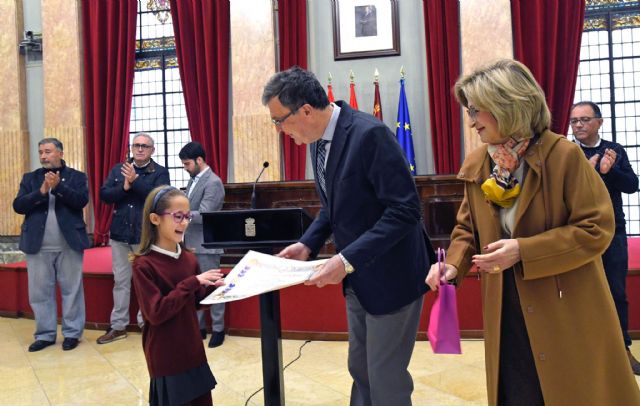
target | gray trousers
[
  {"x": 206, "y": 262},
  {"x": 43, "y": 270},
  {"x": 380, "y": 349},
  {"x": 122, "y": 284}
]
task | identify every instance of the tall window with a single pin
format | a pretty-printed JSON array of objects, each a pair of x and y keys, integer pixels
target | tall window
[
  {"x": 609, "y": 75},
  {"x": 158, "y": 103}
]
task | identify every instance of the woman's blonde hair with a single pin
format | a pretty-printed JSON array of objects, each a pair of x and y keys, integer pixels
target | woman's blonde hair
[
  {"x": 157, "y": 202},
  {"x": 507, "y": 90}
]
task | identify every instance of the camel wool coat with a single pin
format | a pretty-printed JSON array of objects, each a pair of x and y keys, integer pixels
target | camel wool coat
[{"x": 563, "y": 223}]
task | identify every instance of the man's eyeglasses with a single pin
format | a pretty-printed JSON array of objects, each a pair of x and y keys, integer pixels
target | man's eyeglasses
[
  {"x": 278, "y": 121},
  {"x": 179, "y": 216},
  {"x": 583, "y": 120},
  {"x": 472, "y": 112},
  {"x": 141, "y": 146}
]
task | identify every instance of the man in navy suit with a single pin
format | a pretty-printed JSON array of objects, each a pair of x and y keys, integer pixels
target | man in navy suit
[
  {"x": 371, "y": 206},
  {"x": 54, "y": 238}
]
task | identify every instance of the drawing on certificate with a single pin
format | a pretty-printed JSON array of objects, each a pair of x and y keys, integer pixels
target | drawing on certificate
[{"x": 258, "y": 273}]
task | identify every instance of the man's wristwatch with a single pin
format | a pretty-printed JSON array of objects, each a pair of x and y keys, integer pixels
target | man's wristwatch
[{"x": 348, "y": 268}]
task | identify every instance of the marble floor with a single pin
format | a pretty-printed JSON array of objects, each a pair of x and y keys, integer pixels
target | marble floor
[{"x": 116, "y": 374}]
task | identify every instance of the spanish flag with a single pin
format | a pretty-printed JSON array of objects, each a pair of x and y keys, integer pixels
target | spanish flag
[
  {"x": 377, "y": 106},
  {"x": 353, "y": 102}
]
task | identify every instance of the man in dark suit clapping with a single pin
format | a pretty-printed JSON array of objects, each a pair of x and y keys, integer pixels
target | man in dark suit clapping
[
  {"x": 371, "y": 206},
  {"x": 127, "y": 187},
  {"x": 54, "y": 238}
]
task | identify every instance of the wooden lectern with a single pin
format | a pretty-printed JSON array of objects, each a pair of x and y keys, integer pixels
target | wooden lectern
[{"x": 260, "y": 230}]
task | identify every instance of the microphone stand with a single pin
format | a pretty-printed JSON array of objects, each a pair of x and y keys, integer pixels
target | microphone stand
[{"x": 265, "y": 165}]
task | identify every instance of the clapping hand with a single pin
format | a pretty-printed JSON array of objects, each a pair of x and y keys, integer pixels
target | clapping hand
[
  {"x": 51, "y": 180},
  {"x": 129, "y": 173},
  {"x": 607, "y": 161}
]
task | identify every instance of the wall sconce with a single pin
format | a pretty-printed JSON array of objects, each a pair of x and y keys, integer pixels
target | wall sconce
[{"x": 31, "y": 45}]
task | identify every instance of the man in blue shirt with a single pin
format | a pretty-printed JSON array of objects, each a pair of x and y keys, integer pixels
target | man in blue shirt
[{"x": 610, "y": 160}]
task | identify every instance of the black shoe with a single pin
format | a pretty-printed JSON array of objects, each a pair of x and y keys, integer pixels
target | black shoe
[
  {"x": 40, "y": 345},
  {"x": 203, "y": 333},
  {"x": 217, "y": 338},
  {"x": 635, "y": 365},
  {"x": 69, "y": 344}
]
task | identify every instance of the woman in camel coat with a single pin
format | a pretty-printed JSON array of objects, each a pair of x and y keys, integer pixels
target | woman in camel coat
[{"x": 535, "y": 220}]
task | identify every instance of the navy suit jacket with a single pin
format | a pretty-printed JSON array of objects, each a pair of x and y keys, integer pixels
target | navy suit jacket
[
  {"x": 373, "y": 210},
  {"x": 72, "y": 194}
]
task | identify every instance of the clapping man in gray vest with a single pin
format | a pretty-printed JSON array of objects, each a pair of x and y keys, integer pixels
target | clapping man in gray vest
[{"x": 54, "y": 238}]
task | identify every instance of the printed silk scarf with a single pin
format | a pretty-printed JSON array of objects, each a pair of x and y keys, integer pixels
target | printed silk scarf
[{"x": 502, "y": 188}]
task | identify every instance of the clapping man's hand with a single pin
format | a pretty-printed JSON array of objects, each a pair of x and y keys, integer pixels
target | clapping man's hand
[
  {"x": 130, "y": 175},
  {"x": 608, "y": 161}
]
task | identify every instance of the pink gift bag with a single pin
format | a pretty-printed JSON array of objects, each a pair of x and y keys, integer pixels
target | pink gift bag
[{"x": 444, "y": 330}]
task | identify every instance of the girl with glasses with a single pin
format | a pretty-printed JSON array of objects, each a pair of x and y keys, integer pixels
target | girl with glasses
[{"x": 169, "y": 287}]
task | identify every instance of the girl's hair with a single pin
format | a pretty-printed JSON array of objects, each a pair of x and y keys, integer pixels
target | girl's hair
[
  {"x": 507, "y": 90},
  {"x": 157, "y": 202}
]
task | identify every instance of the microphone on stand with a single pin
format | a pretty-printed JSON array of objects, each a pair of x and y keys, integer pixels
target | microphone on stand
[{"x": 265, "y": 165}]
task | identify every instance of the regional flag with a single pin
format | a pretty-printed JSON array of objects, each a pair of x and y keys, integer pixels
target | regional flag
[
  {"x": 403, "y": 129},
  {"x": 353, "y": 102},
  {"x": 377, "y": 106}
]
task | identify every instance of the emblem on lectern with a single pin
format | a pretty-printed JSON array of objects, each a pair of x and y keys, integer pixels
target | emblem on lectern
[{"x": 250, "y": 227}]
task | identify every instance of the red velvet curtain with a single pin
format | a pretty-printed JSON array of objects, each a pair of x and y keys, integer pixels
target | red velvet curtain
[
  {"x": 202, "y": 44},
  {"x": 443, "y": 68},
  {"x": 109, "y": 34},
  {"x": 292, "y": 34},
  {"x": 546, "y": 38}
]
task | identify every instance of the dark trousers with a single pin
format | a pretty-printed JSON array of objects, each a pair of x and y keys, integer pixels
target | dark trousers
[
  {"x": 518, "y": 383},
  {"x": 616, "y": 266},
  {"x": 204, "y": 400}
]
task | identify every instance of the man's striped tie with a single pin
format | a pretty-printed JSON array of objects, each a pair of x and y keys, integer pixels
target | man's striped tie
[{"x": 320, "y": 158}]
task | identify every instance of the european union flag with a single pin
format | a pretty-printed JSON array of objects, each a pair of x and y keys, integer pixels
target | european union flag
[{"x": 403, "y": 129}]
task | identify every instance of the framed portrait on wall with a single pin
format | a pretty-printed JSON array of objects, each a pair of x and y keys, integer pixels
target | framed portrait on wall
[{"x": 365, "y": 28}]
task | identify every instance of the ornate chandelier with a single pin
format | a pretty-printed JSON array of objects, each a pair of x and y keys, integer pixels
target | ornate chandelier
[{"x": 160, "y": 9}]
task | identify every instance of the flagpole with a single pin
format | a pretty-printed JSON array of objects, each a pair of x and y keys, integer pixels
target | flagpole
[
  {"x": 276, "y": 34},
  {"x": 330, "y": 89},
  {"x": 377, "y": 104},
  {"x": 353, "y": 101},
  {"x": 403, "y": 126}
]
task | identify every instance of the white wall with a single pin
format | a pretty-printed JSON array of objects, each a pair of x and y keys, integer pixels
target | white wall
[
  {"x": 34, "y": 83},
  {"x": 412, "y": 57},
  {"x": 321, "y": 62}
]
